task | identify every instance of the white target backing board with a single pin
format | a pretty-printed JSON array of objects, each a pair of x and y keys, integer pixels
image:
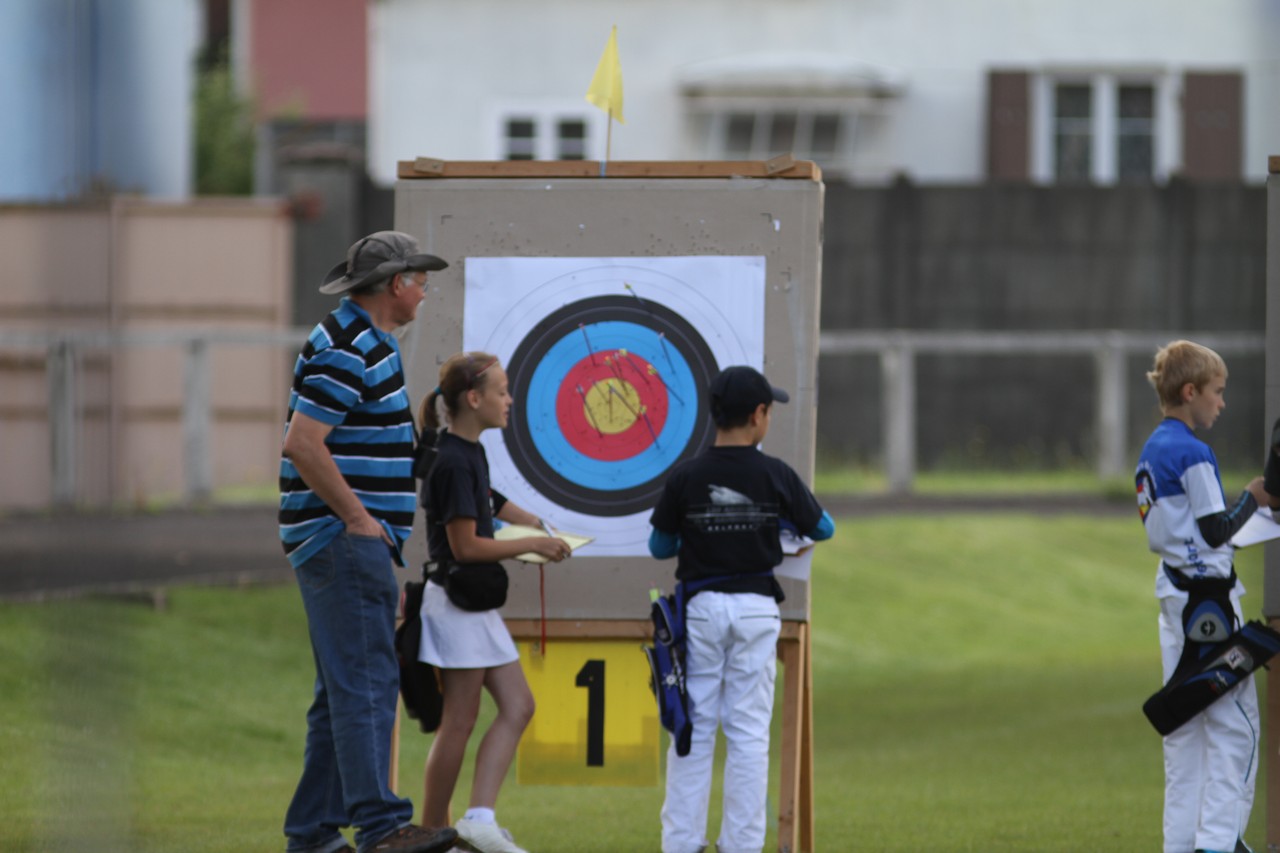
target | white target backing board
[
  {"x": 611, "y": 302},
  {"x": 609, "y": 360}
]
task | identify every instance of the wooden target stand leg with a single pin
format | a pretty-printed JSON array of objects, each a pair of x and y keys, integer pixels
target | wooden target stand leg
[
  {"x": 795, "y": 797},
  {"x": 1270, "y": 714},
  {"x": 795, "y": 800},
  {"x": 393, "y": 766}
]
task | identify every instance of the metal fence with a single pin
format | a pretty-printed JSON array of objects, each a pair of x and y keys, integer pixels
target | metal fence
[{"x": 897, "y": 351}]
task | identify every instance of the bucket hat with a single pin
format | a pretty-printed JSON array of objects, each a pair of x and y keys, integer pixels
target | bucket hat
[{"x": 377, "y": 258}]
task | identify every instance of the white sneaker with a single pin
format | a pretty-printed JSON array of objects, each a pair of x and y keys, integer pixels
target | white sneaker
[{"x": 486, "y": 837}]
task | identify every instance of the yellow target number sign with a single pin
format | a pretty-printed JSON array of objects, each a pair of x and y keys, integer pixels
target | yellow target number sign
[{"x": 596, "y": 722}]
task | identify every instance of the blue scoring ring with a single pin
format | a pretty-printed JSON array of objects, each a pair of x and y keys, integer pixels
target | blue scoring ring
[{"x": 604, "y": 338}]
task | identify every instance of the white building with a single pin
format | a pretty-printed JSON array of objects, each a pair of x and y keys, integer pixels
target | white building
[{"x": 950, "y": 91}]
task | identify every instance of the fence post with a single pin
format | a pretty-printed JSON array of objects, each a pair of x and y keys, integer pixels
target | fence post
[
  {"x": 1113, "y": 406},
  {"x": 898, "y": 376},
  {"x": 196, "y": 432},
  {"x": 60, "y": 369}
]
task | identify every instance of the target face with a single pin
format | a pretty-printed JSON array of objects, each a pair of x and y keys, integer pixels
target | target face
[
  {"x": 613, "y": 393},
  {"x": 608, "y": 362}
]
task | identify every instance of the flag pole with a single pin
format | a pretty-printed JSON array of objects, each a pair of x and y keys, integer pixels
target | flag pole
[
  {"x": 608, "y": 142},
  {"x": 606, "y": 92}
]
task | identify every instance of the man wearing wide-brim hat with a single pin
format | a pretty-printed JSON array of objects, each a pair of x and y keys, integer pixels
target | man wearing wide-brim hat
[{"x": 347, "y": 500}]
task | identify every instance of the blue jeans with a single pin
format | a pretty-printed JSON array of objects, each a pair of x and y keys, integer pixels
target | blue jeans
[{"x": 350, "y": 593}]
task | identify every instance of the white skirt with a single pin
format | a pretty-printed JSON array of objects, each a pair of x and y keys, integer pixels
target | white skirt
[{"x": 453, "y": 638}]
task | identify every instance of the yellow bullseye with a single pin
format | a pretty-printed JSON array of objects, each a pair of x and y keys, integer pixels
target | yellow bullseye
[{"x": 612, "y": 406}]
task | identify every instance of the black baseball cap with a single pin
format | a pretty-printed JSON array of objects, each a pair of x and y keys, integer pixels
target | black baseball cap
[
  {"x": 377, "y": 258},
  {"x": 737, "y": 391}
]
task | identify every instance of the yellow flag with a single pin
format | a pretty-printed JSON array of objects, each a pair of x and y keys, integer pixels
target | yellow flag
[{"x": 606, "y": 85}]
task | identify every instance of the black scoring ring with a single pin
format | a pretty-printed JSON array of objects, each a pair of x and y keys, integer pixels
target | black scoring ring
[{"x": 572, "y": 319}]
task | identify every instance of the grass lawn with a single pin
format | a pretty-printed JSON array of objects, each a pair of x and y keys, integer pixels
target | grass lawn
[{"x": 978, "y": 683}]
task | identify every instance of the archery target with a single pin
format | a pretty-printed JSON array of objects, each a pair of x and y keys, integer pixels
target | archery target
[
  {"x": 608, "y": 363},
  {"x": 612, "y": 392}
]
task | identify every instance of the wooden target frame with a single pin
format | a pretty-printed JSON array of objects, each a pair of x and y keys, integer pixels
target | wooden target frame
[
  {"x": 706, "y": 250},
  {"x": 1271, "y": 558}
]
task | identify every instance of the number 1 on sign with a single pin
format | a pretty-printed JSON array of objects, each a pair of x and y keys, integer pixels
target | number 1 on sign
[
  {"x": 591, "y": 676},
  {"x": 589, "y": 730}
]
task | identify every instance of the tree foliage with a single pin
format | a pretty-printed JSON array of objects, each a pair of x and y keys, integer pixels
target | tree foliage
[{"x": 223, "y": 133}]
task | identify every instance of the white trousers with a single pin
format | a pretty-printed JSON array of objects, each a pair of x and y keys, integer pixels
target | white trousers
[
  {"x": 1211, "y": 762},
  {"x": 731, "y": 667}
]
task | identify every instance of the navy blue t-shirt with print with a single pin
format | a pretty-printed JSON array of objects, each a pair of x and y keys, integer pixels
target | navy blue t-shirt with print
[{"x": 725, "y": 504}]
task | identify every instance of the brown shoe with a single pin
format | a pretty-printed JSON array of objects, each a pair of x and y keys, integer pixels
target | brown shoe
[{"x": 417, "y": 839}]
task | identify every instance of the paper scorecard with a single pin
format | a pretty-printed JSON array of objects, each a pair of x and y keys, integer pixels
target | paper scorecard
[
  {"x": 797, "y": 554},
  {"x": 1261, "y": 527},
  {"x": 520, "y": 531}
]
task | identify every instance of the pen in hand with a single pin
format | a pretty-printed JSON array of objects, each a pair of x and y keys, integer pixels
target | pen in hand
[{"x": 546, "y": 528}]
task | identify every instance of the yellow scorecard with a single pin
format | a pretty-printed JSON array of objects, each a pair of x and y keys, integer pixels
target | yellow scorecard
[{"x": 520, "y": 531}]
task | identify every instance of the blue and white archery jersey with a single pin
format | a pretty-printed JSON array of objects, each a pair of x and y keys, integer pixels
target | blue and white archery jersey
[{"x": 1178, "y": 482}]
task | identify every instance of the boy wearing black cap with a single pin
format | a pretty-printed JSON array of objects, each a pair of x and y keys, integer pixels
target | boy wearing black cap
[{"x": 720, "y": 513}]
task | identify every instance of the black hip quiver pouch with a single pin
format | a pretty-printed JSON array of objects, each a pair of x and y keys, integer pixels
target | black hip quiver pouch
[
  {"x": 1214, "y": 658},
  {"x": 473, "y": 586},
  {"x": 418, "y": 684}
]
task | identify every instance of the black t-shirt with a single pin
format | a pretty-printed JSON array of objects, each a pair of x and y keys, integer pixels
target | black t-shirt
[
  {"x": 457, "y": 486},
  {"x": 725, "y": 505}
]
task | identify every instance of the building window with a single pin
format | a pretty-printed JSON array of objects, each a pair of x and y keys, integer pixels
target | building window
[
  {"x": 1103, "y": 128},
  {"x": 571, "y": 139},
  {"x": 551, "y": 133},
  {"x": 739, "y": 136},
  {"x": 522, "y": 139},
  {"x": 762, "y": 134},
  {"x": 1072, "y": 133},
  {"x": 1135, "y": 131},
  {"x": 828, "y": 108}
]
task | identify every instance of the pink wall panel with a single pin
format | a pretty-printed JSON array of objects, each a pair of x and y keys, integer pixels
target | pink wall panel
[{"x": 309, "y": 58}]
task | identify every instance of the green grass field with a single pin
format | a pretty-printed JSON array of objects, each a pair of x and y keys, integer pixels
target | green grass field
[{"x": 977, "y": 684}]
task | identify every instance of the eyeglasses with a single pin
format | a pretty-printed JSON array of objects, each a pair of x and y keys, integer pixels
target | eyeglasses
[{"x": 408, "y": 276}]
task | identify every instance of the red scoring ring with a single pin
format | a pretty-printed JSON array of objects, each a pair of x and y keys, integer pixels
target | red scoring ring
[{"x": 579, "y": 430}]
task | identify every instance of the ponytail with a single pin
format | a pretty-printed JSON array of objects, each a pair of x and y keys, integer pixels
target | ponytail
[{"x": 428, "y": 415}]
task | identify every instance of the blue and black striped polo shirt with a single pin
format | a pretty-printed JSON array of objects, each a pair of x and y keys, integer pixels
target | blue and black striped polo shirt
[{"x": 349, "y": 375}]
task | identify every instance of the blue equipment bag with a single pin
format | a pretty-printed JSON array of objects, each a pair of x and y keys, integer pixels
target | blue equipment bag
[
  {"x": 1201, "y": 679},
  {"x": 667, "y": 661},
  {"x": 666, "y": 667}
]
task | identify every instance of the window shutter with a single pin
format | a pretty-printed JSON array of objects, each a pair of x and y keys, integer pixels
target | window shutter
[
  {"x": 1008, "y": 114},
  {"x": 1212, "y": 138}
]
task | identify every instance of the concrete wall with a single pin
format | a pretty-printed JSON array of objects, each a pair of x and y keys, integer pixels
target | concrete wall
[{"x": 130, "y": 266}]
